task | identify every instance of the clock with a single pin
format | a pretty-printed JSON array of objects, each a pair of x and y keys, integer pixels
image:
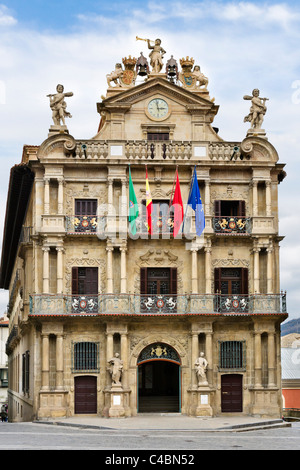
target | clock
[{"x": 158, "y": 108}]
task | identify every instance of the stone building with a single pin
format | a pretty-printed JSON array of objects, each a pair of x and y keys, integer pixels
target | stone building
[{"x": 111, "y": 322}]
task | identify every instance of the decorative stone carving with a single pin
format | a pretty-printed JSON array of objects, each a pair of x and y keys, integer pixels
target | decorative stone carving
[
  {"x": 123, "y": 78},
  {"x": 200, "y": 367},
  {"x": 58, "y": 106},
  {"x": 191, "y": 79},
  {"x": 257, "y": 110},
  {"x": 116, "y": 368},
  {"x": 156, "y": 55}
]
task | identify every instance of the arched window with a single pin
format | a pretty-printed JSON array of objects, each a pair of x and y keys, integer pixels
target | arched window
[{"x": 85, "y": 357}]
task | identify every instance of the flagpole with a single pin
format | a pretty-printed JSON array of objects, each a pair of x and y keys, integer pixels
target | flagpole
[{"x": 191, "y": 185}]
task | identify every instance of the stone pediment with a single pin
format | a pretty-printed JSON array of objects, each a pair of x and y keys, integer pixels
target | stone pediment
[{"x": 123, "y": 100}]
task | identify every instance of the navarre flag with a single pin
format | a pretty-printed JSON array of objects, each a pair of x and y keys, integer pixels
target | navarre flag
[
  {"x": 148, "y": 204},
  {"x": 177, "y": 207},
  {"x": 195, "y": 203},
  {"x": 133, "y": 206}
]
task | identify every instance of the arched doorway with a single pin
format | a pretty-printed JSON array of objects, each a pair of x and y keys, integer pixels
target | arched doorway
[{"x": 159, "y": 379}]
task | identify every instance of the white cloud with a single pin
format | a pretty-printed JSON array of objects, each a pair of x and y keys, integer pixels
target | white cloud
[{"x": 5, "y": 18}]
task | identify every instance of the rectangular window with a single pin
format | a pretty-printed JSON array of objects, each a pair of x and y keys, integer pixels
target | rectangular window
[
  {"x": 85, "y": 207},
  {"x": 84, "y": 298},
  {"x": 85, "y": 357},
  {"x": 232, "y": 355},
  {"x": 84, "y": 281},
  {"x": 162, "y": 217},
  {"x": 230, "y": 208},
  {"x": 230, "y": 218},
  {"x": 159, "y": 290},
  {"x": 85, "y": 218},
  {"x": 25, "y": 372},
  {"x": 158, "y": 136}
]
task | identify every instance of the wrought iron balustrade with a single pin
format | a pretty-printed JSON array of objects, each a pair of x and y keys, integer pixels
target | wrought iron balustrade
[
  {"x": 232, "y": 225},
  {"x": 85, "y": 224},
  {"x": 224, "y": 303},
  {"x": 164, "y": 224},
  {"x": 148, "y": 304}
]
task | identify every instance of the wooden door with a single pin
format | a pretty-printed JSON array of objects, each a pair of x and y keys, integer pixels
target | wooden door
[
  {"x": 232, "y": 393},
  {"x": 85, "y": 395}
]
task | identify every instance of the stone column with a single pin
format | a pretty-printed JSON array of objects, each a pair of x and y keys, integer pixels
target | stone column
[
  {"x": 270, "y": 269},
  {"x": 109, "y": 250},
  {"x": 123, "y": 210},
  {"x": 124, "y": 357},
  {"x": 271, "y": 360},
  {"x": 256, "y": 251},
  {"x": 59, "y": 362},
  {"x": 207, "y": 197},
  {"x": 60, "y": 272},
  {"x": 194, "y": 271},
  {"x": 207, "y": 251},
  {"x": 109, "y": 348},
  {"x": 268, "y": 198},
  {"x": 46, "y": 269},
  {"x": 123, "y": 250},
  {"x": 60, "y": 198},
  {"x": 45, "y": 362},
  {"x": 254, "y": 198},
  {"x": 194, "y": 356},
  {"x": 46, "y": 196},
  {"x": 257, "y": 359},
  {"x": 209, "y": 356}
]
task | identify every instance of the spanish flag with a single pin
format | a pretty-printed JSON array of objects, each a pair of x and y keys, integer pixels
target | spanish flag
[{"x": 148, "y": 204}]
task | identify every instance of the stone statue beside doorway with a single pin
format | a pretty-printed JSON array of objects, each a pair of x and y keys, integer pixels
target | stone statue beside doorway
[
  {"x": 116, "y": 369},
  {"x": 201, "y": 366}
]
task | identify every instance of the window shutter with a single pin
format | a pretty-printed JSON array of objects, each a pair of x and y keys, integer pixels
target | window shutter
[
  {"x": 143, "y": 286},
  {"x": 75, "y": 280},
  {"x": 173, "y": 280},
  {"x": 217, "y": 205},
  {"x": 91, "y": 281},
  {"x": 244, "y": 281},
  {"x": 242, "y": 209},
  {"x": 218, "y": 280}
]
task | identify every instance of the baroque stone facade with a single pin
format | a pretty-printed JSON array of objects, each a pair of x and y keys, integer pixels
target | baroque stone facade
[{"x": 83, "y": 289}]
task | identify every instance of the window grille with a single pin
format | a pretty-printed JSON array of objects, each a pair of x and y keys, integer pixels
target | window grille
[
  {"x": 232, "y": 354},
  {"x": 25, "y": 372},
  {"x": 85, "y": 357}
]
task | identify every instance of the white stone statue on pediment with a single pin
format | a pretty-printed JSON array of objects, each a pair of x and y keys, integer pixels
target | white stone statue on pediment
[{"x": 58, "y": 106}]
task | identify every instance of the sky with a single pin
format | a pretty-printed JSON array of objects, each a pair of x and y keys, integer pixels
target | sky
[{"x": 239, "y": 45}]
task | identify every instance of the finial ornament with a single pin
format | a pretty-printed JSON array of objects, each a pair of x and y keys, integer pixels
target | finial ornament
[
  {"x": 257, "y": 110},
  {"x": 58, "y": 106}
]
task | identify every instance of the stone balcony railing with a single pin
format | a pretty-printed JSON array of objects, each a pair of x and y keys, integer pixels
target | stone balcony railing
[
  {"x": 134, "y": 304},
  {"x": 152, "y": 150}
]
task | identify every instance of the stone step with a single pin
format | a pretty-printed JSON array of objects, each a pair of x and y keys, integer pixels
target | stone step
[{"x": 158, "y": 404}]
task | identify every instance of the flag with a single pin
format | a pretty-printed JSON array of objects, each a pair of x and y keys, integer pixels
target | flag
[
  {"x": 177, "y": 207},
  {"x": 133, "y": 206},
  {"x": 195, "y": 203},
  {"x": 148, "y": 204}
]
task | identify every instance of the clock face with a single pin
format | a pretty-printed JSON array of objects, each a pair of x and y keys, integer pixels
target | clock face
[{"x": 158, "y": 108}]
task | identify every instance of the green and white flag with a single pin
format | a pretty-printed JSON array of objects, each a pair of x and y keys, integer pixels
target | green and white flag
[{"x": 133, "y": 206}]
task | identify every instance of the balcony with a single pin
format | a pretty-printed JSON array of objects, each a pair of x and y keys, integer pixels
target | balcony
[
  {"x": 142, "y": 305},
  {"x": 232, "y": 225},
  {"x": 84, "y": 224}
]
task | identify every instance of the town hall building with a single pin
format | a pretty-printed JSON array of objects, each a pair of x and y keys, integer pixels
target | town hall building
[{"x": 143, "y": 263}]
